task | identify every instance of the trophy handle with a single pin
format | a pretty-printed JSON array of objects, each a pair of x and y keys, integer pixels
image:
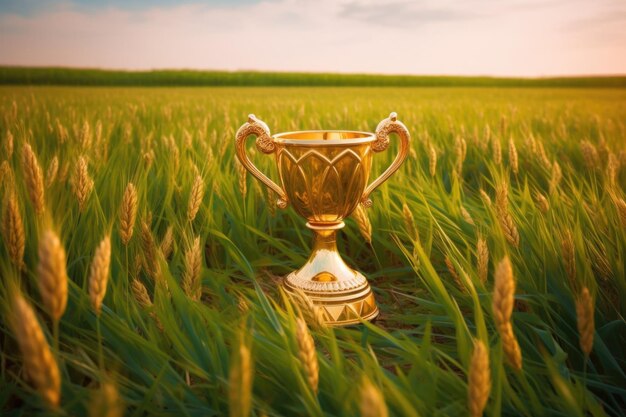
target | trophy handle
[
  {"x": 386, "y": 127},
  {"x": 264, "y": 144}
]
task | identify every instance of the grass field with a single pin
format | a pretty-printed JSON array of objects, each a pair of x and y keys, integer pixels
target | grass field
[{"x": 537, "y": 176}]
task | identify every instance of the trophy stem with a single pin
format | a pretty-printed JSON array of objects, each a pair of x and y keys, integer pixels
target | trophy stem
[{"x": 343, "y": 294}]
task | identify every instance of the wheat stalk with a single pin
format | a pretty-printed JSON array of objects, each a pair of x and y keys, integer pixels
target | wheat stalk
[
  {"x": 585, "y": 320},
  {"x": 51, "y": 173},
  {"x": 513, "y": 160},
  {"x": 503, "y": 300},
  {"x": 99, "y": 274},
  {"x": 482, "y": 259},
  {"x": 82, "y": 183},
  {"x": 52, "y": 274},
  {"x": 195, "y": 198},
  {"x": 39, "y": 362},
  {"x": 34, "y": 178},
  {"x": 191, "y": 276},
  {"x": 504, "y": 217},
  {"x": 13, "y": 230},
  {"x": 307, "y": 353},
  {"x": 432, "y": 161},
  {"x": 128, "y": 213},
  {"x": 372, "y": 400},
  {"x": 479, "y": 380},
  {"x": 363, "y": 221},
  {"x": 240, "y": 383}
]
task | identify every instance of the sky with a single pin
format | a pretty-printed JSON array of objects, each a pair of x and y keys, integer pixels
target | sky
[{"x": 432, "y": 37}]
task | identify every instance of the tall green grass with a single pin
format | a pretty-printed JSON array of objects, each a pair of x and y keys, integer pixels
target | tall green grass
[{"x": 417, "y": 353}]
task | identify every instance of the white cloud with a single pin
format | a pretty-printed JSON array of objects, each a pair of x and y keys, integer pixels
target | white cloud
[{"x": 429, "y": 37}]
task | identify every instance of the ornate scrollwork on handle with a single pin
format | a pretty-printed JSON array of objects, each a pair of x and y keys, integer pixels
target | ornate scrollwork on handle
[
  {"x": 383, "y": 130},
  {"x": 264, "y": 144}
]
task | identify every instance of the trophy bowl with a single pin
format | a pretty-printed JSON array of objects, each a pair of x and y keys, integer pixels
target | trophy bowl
[{"x": 324, "y": 176}]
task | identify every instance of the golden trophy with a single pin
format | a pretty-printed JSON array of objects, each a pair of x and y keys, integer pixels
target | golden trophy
[{"x": 324, "y": 175}]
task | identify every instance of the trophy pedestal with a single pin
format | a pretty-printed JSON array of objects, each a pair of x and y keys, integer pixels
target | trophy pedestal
[{"x": 343, "y": 294}]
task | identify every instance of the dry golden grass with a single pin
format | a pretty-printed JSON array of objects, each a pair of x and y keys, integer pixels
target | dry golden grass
[
  {"x": 39, "y": 362},
  {"x": 52, "y": 274}
]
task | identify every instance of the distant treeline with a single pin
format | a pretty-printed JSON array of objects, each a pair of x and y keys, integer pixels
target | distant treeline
[{"x": 96, "y": 77}]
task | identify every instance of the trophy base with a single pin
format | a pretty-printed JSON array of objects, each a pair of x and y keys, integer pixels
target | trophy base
[
  {"x": 343, "y": 295},
  {"x": 342, "y": 308}
]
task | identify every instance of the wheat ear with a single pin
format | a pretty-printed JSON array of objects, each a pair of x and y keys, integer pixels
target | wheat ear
[
  {"x": 195, "y": 198},
  {"x": 106, "y": 402},
  {"x": 128, "y": 213},
  {"x": 504, "y": 216},
  {"x": 240, "y": 383},
  {"x": 372, "y": 400},
  {"x": 52, "y": 274},
  {"x": 503, "y": 300},
  {"x": 13, "y": 230},
  {"x": 432, "y": 161},
  {"x": 513, "y": 160},
  {"x": 34, "y": 178},
  {"x": 482, "y": 259},
  {"x": 53, "y": 169},
  {"x": 363, "y": 221},
  {"x": 82, "y": 183},
  {"x": 409, "y": 223},
  {"x": 167, "y": 243},
  {"x": 307, "y": 353},
  {"x": 39, "y": 363},
  {"x": 585, "y": 320},
  {"x": 191, "y": 277},
  {"x": 99, "y": 274},
  {"x": 479, "y": 380}
]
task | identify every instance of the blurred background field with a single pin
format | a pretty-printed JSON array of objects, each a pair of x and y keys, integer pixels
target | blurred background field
[{"x": 557, "y": 154}]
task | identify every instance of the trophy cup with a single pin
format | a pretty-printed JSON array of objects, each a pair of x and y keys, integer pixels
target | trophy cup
[{"x": 324, "y": 176}]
